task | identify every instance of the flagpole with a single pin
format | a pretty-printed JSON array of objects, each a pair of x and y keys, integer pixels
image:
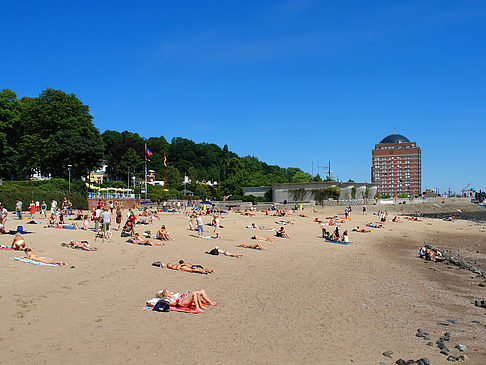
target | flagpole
[
  {"x": 165, "y": 159},
  {"x": 145, "y": 171}
]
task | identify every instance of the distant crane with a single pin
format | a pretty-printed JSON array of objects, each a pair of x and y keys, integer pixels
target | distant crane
[
  {"x": 327, "y": 170},
  {"x": 466, "y": 189}
]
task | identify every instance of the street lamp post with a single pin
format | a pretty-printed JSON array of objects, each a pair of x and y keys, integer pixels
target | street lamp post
[{"x": 69, "y": 173}]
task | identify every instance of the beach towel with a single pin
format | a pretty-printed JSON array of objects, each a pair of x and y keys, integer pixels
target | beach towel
[
  {"x": 261, "y": 228},
  {"x": 209, "y": 237},
  {"x": 6, "y": 248},
  {"x": 25, "y": 259},
  {"x": 149, "y": 304},
  {"x": 339, "y": 243}
]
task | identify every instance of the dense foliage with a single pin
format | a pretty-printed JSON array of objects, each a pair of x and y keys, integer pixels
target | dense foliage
[
  {"x": 47, "y": 133},
  {"x": 46, "y": 190}
]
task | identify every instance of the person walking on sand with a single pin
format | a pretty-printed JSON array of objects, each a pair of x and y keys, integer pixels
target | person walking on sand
[{"x": 18, "y": 209}]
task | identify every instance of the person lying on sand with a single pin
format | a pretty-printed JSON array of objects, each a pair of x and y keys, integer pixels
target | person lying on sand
[
  {"x": 284, "y": 223},
  {"x": 256, "y": 246},
  {"x": 372, "y": 225},
  {"x": 303, "y": 216},
  {"x": 282, "y": 233},
  {"x": 137, "y": 239},
  {"x": 84, "y": 245},
  {"x": 162, "y": 234},
  {"x": 264, "y": 239},
  {"x": 145, "y": 221},
  {"x": 32, "y": 256},
  {"x": 185, "y": 266},
  {"x": 362, "y": 230},
  {"x": 217, "y": 251},
  {"x": 317, "y": 220},
  {"x": 187, "y": 299}
]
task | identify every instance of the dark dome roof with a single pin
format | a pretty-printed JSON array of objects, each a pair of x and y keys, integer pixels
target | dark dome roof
[{"x": 395, "y": 138}]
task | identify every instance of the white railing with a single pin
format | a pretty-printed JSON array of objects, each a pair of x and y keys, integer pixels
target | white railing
[{"x": 113, "y": 196}]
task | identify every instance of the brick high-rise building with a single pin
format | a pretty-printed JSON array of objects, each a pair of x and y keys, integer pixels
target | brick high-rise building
[{"x": 396, "y": 166}]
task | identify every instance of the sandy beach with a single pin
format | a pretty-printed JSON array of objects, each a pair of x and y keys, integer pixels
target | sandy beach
[{"x": 300, "y": 301}]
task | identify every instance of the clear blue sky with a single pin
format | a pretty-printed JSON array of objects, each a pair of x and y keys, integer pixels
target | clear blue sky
[{"x": 286, "y": 81}]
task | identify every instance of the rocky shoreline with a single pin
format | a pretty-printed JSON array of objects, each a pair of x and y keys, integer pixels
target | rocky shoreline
[{"x": 477, "y": 216}]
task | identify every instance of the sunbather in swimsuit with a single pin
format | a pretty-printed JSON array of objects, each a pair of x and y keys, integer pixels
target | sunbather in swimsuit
[
  {"x": 32, "y": 256},
  {"x": 18, "y": 242}
]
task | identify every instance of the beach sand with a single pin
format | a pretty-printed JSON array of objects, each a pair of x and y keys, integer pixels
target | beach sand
[{"x": 301, "y": 301}]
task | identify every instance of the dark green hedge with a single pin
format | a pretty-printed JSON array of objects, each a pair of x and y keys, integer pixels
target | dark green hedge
[{"x": 46, "y": 190}]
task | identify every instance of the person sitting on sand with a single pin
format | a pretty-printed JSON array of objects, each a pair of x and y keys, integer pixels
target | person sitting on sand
[
  {"x": 61, "y": 218},
  {"x": 84, "y": 245},
  {"x": 137, "y": 239},
  {"x": 264, "y": 239},
  {"x": 32, "y": 256},
  {"x": 256, "y": 246},
  {"x": 282, "y": 233},
  {"x": 344, "y": 237},
  {"x": 52, "y": 219},
  {"x": 187, "y": 299},
  {"x": 162, "y": 234},
  {"x": 128, "y": 228},
  {"x": 396, "y": 219},
  {"x": 334, "y": 235},
  {"x": 85, "y": 222},
  {"x": 254, "y": 226},
  {"x": 145, "y": 221},
  {"x": 362, "y": 230},
  {"x": 217, "y": 251},
  {"x": 18, "y": 242},
  {"x": 192, "y": 227}
]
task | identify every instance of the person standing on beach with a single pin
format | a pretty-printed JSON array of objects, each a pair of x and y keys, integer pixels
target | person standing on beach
[
  {"x": 18, "y": 209},
  {"x": 216, "y": 226},
  {"x": 43, "y": 209},
  {"x": 97, "y": 218},
  {"x": 3, "y": 216},
  {"x": 37, "y": 206},
  {"x": 200, "y": 226},
  {"x": 106, "y": 218},
  {"x": 53, "y": 206},
  {"x": 32, "y": 209}
]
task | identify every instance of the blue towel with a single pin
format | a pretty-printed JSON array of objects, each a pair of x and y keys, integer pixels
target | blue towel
[
  {"x": 340, "y": 243},
  {"x": 25, "y": 259}
]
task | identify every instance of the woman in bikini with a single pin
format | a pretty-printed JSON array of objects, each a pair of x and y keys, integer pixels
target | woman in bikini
[
  {"x": 264, "y": 239},
  {"x": 187, "y": 299},
  {"x": 32, "y": 256},
  {"x": 255, "y": 246},
  {"x": 162, "y": 234},
  {"x": 189, "y": 268},
  {"x": 84, "y": 245},
  {"x": 282, "y": 233},
  {"x": 18, "y": 242},
  {"x": 144, "y": 241}
]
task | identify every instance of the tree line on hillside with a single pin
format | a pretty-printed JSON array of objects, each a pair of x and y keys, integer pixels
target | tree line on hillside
[{"x": 45, "y": 134}]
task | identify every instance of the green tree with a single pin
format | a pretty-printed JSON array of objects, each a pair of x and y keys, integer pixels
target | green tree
[
  {"x": 173, "y": 177},
  {"x": 9, "y": 132},
  {"x": 58, "y": 131},
  {"x": 130, "y": 161},
  {"x": 301, "y": 177}
]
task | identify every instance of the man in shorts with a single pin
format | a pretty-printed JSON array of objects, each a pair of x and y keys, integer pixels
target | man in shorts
[{"x": 106, "y": 218}]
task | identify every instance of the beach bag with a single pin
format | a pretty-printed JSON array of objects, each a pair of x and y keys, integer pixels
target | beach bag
[{"x": 162, "y": 306}]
